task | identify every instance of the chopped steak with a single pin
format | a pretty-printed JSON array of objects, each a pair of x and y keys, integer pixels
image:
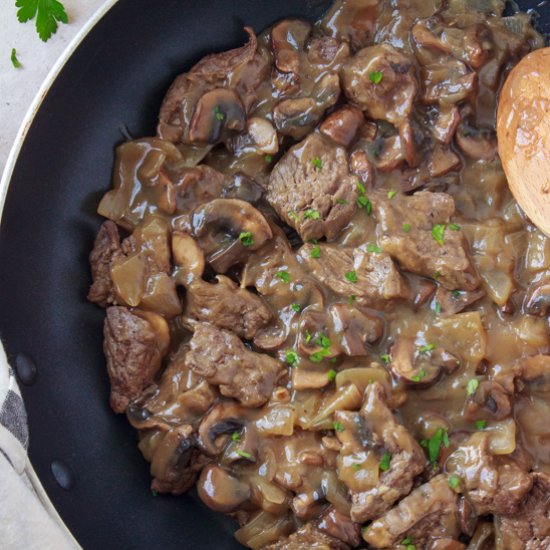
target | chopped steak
[
  {"x": 133, "y": 355},
  {"x": 428, "y": 513},
  {"x": 372, "y": 278},
  {"x": 222, "y": 359},
  {"x": 493, "y": 484},
  {"x": 529, "y": 527},
  {"x": 312, "y": 189},
  {"x": 407, "y": 457},
  {"x": 308, "y": 537},
  {"x": 106, "y": 249},
  {"x": 391, "y": 98},
  {"x": 227, "y": 306},
  {"x": 430, "y": 246}
]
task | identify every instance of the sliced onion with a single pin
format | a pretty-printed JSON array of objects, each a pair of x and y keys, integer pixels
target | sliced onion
[
  {"x": 502, "y": 437},
  {"x": 129, "y": 276},
  {"x": 277, "y": 420},
  {"x": 262, "y": 529},
  {"x": 362, "y": 377}
]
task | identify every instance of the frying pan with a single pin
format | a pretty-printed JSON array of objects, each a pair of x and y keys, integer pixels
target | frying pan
[{"x": 115, "y": 78}]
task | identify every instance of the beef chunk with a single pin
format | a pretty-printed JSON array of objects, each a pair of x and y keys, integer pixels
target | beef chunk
[
  {"x": 308, "y": 537},
  {"x": 493, "y": 484},
  {"x": 106, "y": 249},
  {"x": 312, "y": 190},
  {"x": 227, "y": 306},
  {"x": 529, "y": 527},
  {"x": 222, "y": 359},
  {"x": 372, "y": 278},
  {"x": 133, "y": 355},
  {"x": 339, "y": 526},
  {"x": 391, "y": 98},
  {"x": 407, "y": 457},
  {"x": 428, "y": 513},
  {"x": 415, "y": 230}
]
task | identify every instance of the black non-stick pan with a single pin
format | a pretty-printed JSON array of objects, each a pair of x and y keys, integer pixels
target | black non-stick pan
[{"x": 116, "y": 78}]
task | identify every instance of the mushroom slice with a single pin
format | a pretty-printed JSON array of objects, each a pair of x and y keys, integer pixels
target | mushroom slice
[
  {"x": 218, "y": 425},
  {"x": 228, "y": 228},
  {"x": 441, "y": 161},
  {"x": 188, "y": 257},
  {"x": 537, "y": 298},
  {"x": 476, "y": 144},
  {"x": 295, "y": 117},
  {"x": 288, "y": 38},
  {"x": 221, "y": 491},
  {"x": 217, "y": 110},
  {"x": 342, "y": 125},
  {"x": 490, "y": 401}
]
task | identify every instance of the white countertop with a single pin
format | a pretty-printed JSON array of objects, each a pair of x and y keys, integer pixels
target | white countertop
[{"x": 18, "y": 87}]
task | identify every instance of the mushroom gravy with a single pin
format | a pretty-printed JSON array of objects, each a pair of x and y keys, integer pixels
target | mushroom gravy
[{"x": 326, "y": 309}]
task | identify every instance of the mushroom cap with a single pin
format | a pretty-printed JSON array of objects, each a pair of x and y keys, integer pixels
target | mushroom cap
[
  {"x": 221, "y": 491},
  {"x": 188, "y": 257},
  {"x": 224, "y": 419}
]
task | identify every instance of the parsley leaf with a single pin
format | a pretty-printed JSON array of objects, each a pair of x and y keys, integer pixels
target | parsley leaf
[
  {"x": 318, "y": 356},
  {"x": 472, "y": 386},
  {"x": 364, "y": 202},
  {"x": 455, "y": 293},
  {"x": 341, "y": 201},
  {"x": 246, "y": 238},
  {"x": 438, "y": 233},
  {"x": 427, "y": 348},
  {"x": 235, "y": 436},
  {"x": 480, "y": 424},
  {"x": 218, "y": 113},
  {"x": 338, "y": 427},
  {"x": 437, "y": 308},
  {"x": 323, "y": 341},
  {"x": 386, "y": 359},
  {"x": 296, "y": 307},
  {"x": 392, "y": 193},
  {"x": 374, "y": 249},
  {"x": 331, "y": 375},
  {"x": 376, "y": 77},
  {"x": 283, "y": 275},
  {"x": 293, "y": 216},
  {"x": 454, "y": 481},
  {"x": 441, "y": 437},
  {"x": 243, "y": 454},
  {"x": 406, "y": 227},
  {"x": 384, "y": 464},
  {"x": 351, "y": 276},
  {"x": 14, "y": 61},
  {"x": 308, "y": 337},
  {"x": 357, "y": 466},
  {"x": 291, "y": 357},
  {"x": 268, "y": 159},
  {"x": 47, "y": 12},
  {"x": 316, "y": 252},
  {"x": 352, "y": 299},
  {"x": 454, "y": 227},
  {"x": 317, "y": 163},
  {"x": 311, "y": 214},
  {"x": 419, "y": 376}
]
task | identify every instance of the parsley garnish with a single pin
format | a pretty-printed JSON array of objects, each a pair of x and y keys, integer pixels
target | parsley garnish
[
  {"x": 352, "y": 299},
  {"x": 341, "y": 201},
  {"x": 351, "y": 276},
  {"x": 406, "y": 227},
  {"x": 47, "y": 13},
  {"x": 437, "y": 308},
  {"x": 391, "y": 193},
  {"x": 317, "y": 163},
  {"x": 268, "y": 159},
  {"x": 385, "y": 358},
  {"x": 357, "y": 466},
  {"x": 283, "y": 275},
  {"x": 472, "y": 386},
  {"x": 376, "y": 77},
  {"x": 437, "y": 274},
  {"x": 14, "y": 61},
  {"x": 373, "y": 249},
  {"x": 384, "y": 464},
  {"x": 296, "y": 307},
  {"x": 291, "y": 357},
  {"x": 316, "y": 252},
  {"x": 337, "y": 426},
  {"x": 311, "y": 215},
  {"x": 244, "y": 454},
  {"x": 308, "y": 337},
  {"x": 456, "y": 293},
  {"x": 318, "y": 356},
  {"x": 480, "y": 424},
  {"x": 235, "y": 436},
  {"x": 364, "y": 202},
  {"x": 331, "y": 375},
  {"x": 408, "y": 543},
  {"x": 419, "y": 376},
  {"x": 360, "y": 188},
  {"x": 441, "y": 437},
  {"x": 454, "y": 227},
  {"x": 218, "y": 113},
  {"x": 323, "y": 341},
  {"x": 246, "y": 238},
  {"x": 454, "y": 481},
  {"x": 438, "y": 233},
  {"x": 427, "y": 348},
  {"x": 293, "y": 216}
]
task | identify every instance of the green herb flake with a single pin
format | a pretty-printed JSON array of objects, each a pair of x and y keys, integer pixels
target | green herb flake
[
  {"x": 235, "y": 436},
  {"x": 14, "y": 61},
  {"x": 341, "y": 201},
  {"x": 318, "y": 356},
  {"x": 323, "y": 341},
  {"x": 437, "y": 308},
  {"x": 317, "y": 163},
  {"x": 426, "y": 348},
  {"x": 406, "y": 227},
  {"x": 385, "y": 358},
  {"x": 338, "y": 427},
  {"x": 438, "y": 233},
  {"x": 311, "y": 215},
  {"x": 283, "y": 276},
  {"x": 331, "y": 375},
  {"x": 246, "y": 238},
  {"x": 218, "y": 113},
  {"x": 47, "y": 12},
  {"x": 437, "y": 274},
  {"x": 454, "y": 227},
  {"x": 357, "y": 466},
  {"x": 365, "y": 528},
  {"x": 481, "y": 424},
  {"x": 291, "y": 358},
  {"x": 308, "y": 337},
  {"x": 293, "y": 216},
  {"x": 384, "y": 463},
  {"x": 352, "y": 299},
  {"x": 391, "y": 193},
  {"x": 268, "y": 159},
  {"x": 360, "y": 187},
  {"x": 454, "y": 481},
  {"x": 456, "y": 293},
  {"x": 364, "y": 202},
  {"x": 472, "y": 386},
  {"x": 296, "y": 307},
  {"x": 316, "y": 252},
  {"x": 351, "y": 276},
  {"x": 440, "y": 438},
  {"x": 406, "y": 541},
  {"x": 373, "y": 248},
  {"x": 244, "y": 454},
  {"x": 417, "y": 377},
  {"x": 376, "y": 77}
]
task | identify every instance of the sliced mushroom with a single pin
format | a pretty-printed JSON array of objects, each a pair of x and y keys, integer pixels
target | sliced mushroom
[
  {"x": 453, "y": 302},
  {"x": 217, "y": 110},
  {"x": 342, "y": 125},
  {"x": 287, "y": 40},
  {"x": 218, "y": 425},
  {"x": 188, "y": 257},
  {"x": 243, "y": 448},
  {"x": 537, "y": 298},
  {"x": 534, "y": 371},
  {"x": 295, "y": 117},
  {"x": 314, "y": 335},
  {"x": 441, "y": 161},
  {"x": 447, "y": 82},
  {"x": 489, "y": 402},
  {"x": 221, "y": 224},
  {"x": 221, "y": 491},
  {"x": 476, "y": 144},
  {"x": 444, "y": 123}
]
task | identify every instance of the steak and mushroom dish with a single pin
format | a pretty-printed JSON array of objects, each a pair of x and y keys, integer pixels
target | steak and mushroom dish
[{"x": 323, "y": 307}]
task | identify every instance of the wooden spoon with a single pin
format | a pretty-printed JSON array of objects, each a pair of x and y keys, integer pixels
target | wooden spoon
[{"x": 523, "y": 129}]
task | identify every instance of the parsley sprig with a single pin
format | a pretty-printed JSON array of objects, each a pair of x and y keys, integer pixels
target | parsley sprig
[{"x": 47, "y": 12}]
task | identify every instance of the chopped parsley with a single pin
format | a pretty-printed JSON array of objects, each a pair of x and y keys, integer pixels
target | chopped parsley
[
  {"x": 341, "y": 201},
  {"x": 331, "y": 375},
  {"x": 360, "y": 188},
  {"x": 384, "y": 464},
  {"x": 293, "y": 216},
  {"x": 408, "y": 543},
  {"x": 441, "y": 437},
  {"x": 246, "y": 238},
  {"x": 291, "y": 357},
  {"x": 337, "y": 426},
  {"x": 437, "y": 274},
  {"x": 376, "y": 77},
  {"x": 454, "y": 227},
  {"x": 244, "y": 454},
  {"x": 316, "y": 252},
  {"x": 268, "y": 159},
  {"x": 47, "y": 12},
  {"x": 352, "y": 299},
  {"x": 364, "y": 202},
  {"x": 351, "y": 276},
  {"x": 235, "y": 436},
  {"x": 438, "y": 233},
  {"x": 480, "y": 424},
  {"x": 385, "y": 358},
  {"x": 311, "y": 214},
  {"x": 406, "y": 227},
  {"x": 373, "y": 248},
  {"x": 472, "y": 386},
  {"x": 318, "y": 356},
  {"x": 323, "y": 341},
  {"x": 218, "y": 113},
  {"x": 14, "y": 61},
  {"x": 357, "y": 466},
  {"x": 437, "y": 308},
  {"x": 454, "y": 481},
  {"x": 308, "y": 337},
  {"x": 426, "y": 348},
  {"x": 296, "y": 307},
  {"x": 317, "y": 163},
  {"x": 417, "y": 377},
  {"x": 456, "y": 293},
  {"x": 392, "y": 193},
  {"x": 283, "y": 275}
]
